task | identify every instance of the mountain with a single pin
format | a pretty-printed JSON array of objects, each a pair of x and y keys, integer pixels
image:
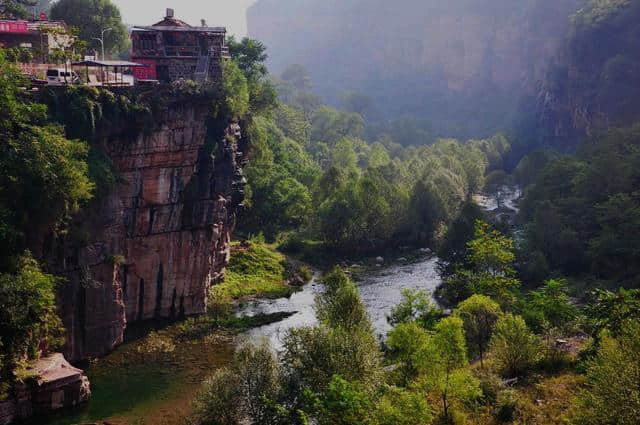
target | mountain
[{"x": 465, "y": 65}]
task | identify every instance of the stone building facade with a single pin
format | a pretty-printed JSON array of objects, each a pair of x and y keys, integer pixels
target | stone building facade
[{"x": 173, "y": 49}]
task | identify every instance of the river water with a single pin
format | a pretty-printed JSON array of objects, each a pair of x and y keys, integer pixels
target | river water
[
  {"x": 131, "y": 388},
  {"x": 380, "y": 290}
]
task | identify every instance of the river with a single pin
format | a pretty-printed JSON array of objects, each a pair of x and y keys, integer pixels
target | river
[
  {"x": 380, "y": 290},
  {"x": 132, "y": 388}
]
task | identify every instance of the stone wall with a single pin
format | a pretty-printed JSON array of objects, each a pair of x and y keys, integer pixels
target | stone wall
[{"x": 153, "y": 246}]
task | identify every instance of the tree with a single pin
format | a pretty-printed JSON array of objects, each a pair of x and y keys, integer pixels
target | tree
[
  {"x": 443, "y": 363},
  {"x": 479, "y": 314},
  {"x": 340, "y": 305},
  {"x": 492, "y": 257},
  {"x": 34, "y": 201},
  {"x": 402, "y": 407},
  {"x": 29, "y": 322},
  {"x": 415, "y": 305},
  {"x": 343, "y": 403},
  {"x": 611, "y": 394},
  {"x": 551, "y": 307},
  {"x": 405, "y": 342},
  {"x": 16, "y": 9},
  {"x": 515, "y": 348},
  {"x": 91, "y": 17},
  {"x": 495, "y": 185},
  {"x": 357, "y": 102},
  {"x": 246, "y": 390},
  {"x": 250, "y": 56},
  {"x": 611, "y": 311}
]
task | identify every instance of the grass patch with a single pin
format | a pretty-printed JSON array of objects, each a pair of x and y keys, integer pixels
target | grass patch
[
  {"x": 199, "y": 327},
  {"x": 255, "y": 270}
]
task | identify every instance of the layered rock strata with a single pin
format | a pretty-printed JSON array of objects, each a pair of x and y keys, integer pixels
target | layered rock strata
[{"x": 152, "y": 246}]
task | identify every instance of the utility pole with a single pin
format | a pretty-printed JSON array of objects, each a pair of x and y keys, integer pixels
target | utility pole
[{"x": 101, "y": 40}]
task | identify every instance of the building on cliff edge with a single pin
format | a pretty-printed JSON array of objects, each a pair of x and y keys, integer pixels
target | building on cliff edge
[{"x": 173, "y": 49}]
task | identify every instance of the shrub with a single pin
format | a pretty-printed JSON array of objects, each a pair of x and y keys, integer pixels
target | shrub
[
  {"x": 415, "y": 305},
  {"x": 401, "y": 407},
  {"x": 506, "y": 406},
  {"x": 479, "y": 314},
  {"x": 515, "y": 348},
  {"x": 243, "y": 392},
  {"x": 611, "y": 394}
]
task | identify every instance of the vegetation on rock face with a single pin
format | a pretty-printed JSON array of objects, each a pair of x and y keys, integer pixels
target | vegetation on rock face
[{"x": 254, "y": 270}]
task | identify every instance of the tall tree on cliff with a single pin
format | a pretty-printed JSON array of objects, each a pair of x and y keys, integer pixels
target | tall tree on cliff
[
  {"x": 91, "y": 17},
  {"x": 15, "y": 8}
]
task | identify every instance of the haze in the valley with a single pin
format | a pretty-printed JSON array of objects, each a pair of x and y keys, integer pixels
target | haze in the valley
[{"x": 231, "y": 14}]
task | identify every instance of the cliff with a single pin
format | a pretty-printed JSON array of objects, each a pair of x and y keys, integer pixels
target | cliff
[
  {"x": 594, "y": 83},
  {"x": 154, "y": 242},
  {"x": 463, "y": 64}
]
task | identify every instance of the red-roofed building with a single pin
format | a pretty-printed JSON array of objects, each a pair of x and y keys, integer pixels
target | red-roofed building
[{"x": 39, "y": 36}]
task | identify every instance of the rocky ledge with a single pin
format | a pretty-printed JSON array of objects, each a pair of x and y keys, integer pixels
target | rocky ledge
[{"x": 55, "y": 384}]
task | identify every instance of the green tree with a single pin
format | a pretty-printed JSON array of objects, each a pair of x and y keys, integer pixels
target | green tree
[
  {"x": 443, "y": 364},
  {"x": 550, "y": 306},
  {"x": 415, "y": 305},
  {"x": 247, "y": 390},
  {"x": 340, "y": 305},
  {"x": 495, "y": 185},
  {"x": 399, "y": 406},
  {"x": 29, "y": 322},
  {"x": 235, "y": 89},
  {"x": 250, "y": 56},
  {"x": 91, "y": 17},
  {"x": 343, "y": 403},
  {"x": 492, "y": 257},
  {"x": 16, "y": 9},
  {"x": 611, "y": 311},
  {"x": 515, "y": 348},
  {"x": 479, "y": 314},
  {"x": 34, "y": 200},
  {"x": 405, "y": 342},
  {"x": 611, "y": 394}
]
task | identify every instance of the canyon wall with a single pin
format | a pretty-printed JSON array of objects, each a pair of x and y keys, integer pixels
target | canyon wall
[
  {"x": 594, "y": 84},
  {"x": 464, "y": 65},
  {"x": 151, "y": 247}
]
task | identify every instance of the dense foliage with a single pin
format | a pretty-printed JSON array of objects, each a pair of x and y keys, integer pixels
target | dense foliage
[
  {"x": 91, "y": 17},
  {"x": 582, "y": 212},
  {"x": 313, "y": 172}
]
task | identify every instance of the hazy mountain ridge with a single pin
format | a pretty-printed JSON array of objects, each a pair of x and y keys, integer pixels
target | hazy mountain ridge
[{"x": 463, "y": 64}]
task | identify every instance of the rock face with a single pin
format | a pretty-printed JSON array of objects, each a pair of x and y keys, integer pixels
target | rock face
[
  {"x": 56, "y": 385},
  {"x": 152, "y": 246},
  {"x": 594, "y": 84}
]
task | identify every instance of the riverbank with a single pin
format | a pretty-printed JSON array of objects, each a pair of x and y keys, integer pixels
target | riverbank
[{"x": 151, "y": 379}]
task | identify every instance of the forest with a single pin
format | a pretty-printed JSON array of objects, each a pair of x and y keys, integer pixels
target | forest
[{"x": 537, "y": 317}]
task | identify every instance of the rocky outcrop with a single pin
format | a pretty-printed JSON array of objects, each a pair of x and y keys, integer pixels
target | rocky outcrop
[
  {"x": 151, "y": 247},
  {"x": 55, "y": 385},
  {"x": 594, "y": 84}
]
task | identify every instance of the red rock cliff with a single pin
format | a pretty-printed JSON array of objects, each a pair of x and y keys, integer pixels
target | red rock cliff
[{"x": 160, "y": 238}]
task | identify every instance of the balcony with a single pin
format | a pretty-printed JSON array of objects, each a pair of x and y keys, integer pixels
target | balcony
[{"x": 182, "y": 51}]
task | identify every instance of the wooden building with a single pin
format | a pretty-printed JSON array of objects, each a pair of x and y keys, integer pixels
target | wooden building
[{"x": 173, "y": 49}]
